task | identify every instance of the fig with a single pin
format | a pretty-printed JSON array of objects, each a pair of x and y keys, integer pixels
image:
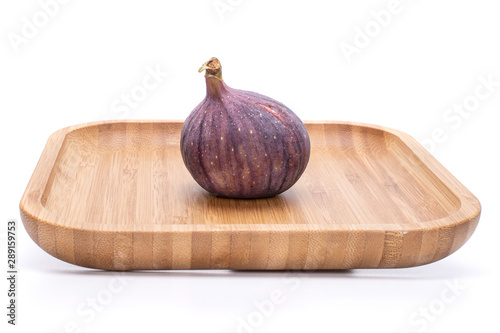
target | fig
[{"x": 240, "y": 144}]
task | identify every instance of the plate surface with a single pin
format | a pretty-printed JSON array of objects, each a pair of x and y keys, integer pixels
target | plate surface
[{"x": 116, "y": 195}]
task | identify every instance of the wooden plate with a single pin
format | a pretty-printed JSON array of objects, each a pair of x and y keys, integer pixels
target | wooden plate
[{"x": 115, "y": 195}]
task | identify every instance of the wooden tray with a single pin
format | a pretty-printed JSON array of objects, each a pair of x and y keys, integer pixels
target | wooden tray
[{"x": 115, "y": 195}]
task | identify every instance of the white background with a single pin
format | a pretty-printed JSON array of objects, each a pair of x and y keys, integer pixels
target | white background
[{"x": 75, "y": 67}]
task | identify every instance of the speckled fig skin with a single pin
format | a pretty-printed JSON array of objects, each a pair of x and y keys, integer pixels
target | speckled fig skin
[{"x": 240, "y": 144}]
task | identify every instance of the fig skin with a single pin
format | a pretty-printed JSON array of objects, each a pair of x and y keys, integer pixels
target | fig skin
[{"x": 240, "y": 144}]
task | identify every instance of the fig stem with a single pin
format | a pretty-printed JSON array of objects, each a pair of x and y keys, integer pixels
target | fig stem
[{"x": 212, "y": 68}]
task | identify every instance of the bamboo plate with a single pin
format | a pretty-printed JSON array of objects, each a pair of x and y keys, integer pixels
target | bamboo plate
[{"x": 115, "y": 195}]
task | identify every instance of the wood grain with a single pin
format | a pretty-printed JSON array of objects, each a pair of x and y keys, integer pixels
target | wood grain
[{"x": 115, "y": 195}]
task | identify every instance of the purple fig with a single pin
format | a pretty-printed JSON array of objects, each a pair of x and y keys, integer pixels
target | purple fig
[{"x": 240, "y": 144}]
